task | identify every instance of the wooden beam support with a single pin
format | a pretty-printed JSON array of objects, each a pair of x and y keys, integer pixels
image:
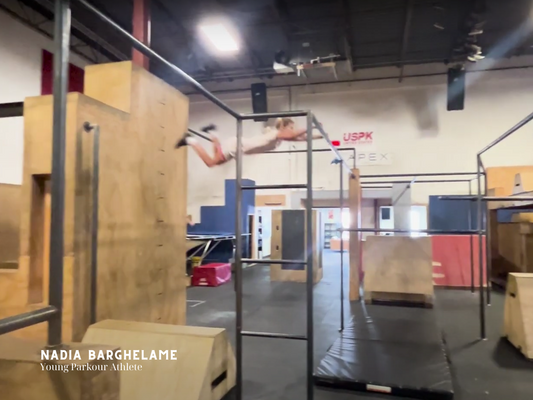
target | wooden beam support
[{"x": 141, "y": 30}]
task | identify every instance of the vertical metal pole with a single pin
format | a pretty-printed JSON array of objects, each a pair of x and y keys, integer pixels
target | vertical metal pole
[
  {"x": 472, "y": 289},
  {"x": 309, "y": 232},
  {"x": 341, "y": 198},
  {"x": 61, "y": 56},
  {"x": 238, "y": 262},
  {"x": 488, "y": 266},
  {"x": 480, "y": 244},
  {"x": 94, "y": 224}
]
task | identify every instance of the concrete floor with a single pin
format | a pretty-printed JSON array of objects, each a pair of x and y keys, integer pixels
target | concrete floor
[{"x": 275, "y": 368}]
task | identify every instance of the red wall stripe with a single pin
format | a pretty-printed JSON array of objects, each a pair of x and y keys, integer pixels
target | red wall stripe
[{"x": 75, "y": 77}]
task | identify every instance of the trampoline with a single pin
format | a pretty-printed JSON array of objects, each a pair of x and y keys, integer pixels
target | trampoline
[{"x": 394, "y": 350}]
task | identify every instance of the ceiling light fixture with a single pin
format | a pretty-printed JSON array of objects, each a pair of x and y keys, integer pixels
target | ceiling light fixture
[{"x": 220, "y": 37}]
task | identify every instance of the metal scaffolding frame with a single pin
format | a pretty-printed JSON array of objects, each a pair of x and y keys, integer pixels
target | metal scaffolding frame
[
  {"x": 469, "y": 231},
  {"x": 53, "y": 312}
]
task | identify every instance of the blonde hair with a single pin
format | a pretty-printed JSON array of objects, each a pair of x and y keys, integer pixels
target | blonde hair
[{"x": 283, "y": 123}]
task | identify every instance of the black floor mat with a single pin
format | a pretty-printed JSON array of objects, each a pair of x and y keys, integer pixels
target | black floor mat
[{"x": 395, "y": 350}]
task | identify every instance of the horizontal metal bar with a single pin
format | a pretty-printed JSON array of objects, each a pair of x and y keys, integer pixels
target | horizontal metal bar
[
  {"x": 263, "y": 261},
  {"x": 8, "y": 110},
  {"x": 200, "y": 134},
  {"x": 508, "y": 133},
  {"x": 352, "y": 149},
  {"x": 21, "y": 321},
  {"x": 418, "y": 175},
  {"x": 426, "y": 181},
  {"x": 147, "y": 51},
  {"x": 428, "y": 231},
  {"x": 333, "y": 148},
  {"x": 273, "y": 335},
  {"x": 284, "y": 186},
  {"x": 280, "y": 114},
  {"x": 488, "y": 198}
]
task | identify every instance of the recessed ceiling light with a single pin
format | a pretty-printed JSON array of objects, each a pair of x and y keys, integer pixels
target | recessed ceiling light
[{"x": 220, "y": 37}]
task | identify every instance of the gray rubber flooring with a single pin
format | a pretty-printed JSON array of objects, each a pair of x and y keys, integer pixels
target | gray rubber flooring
[{"x": 274, "y": 369}]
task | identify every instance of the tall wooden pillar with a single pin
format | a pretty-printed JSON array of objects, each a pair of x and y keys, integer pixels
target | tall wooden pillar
[
  {"x": 141, "y": 30},
  {"x": 354, "y": 201}
]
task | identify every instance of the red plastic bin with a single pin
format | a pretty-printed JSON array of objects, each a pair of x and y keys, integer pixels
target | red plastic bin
[{"x": 214, "y": 274}]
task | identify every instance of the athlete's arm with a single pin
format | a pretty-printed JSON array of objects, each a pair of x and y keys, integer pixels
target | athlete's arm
[
  {"x": 290, "y": 135},
  {"x": 303, "y": 138}
]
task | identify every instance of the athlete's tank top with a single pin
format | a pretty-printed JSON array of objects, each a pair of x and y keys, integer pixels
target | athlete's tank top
[{"x": 268, "y": 141}]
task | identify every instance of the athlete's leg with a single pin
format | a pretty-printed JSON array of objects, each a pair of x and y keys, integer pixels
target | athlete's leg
[
  {"x": 217, "y": 148},
  {"x": 187, "y": 140}
]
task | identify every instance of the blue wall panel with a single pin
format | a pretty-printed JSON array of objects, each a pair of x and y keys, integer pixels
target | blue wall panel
[
  {"x": 451, "y": 214},
  {"x": 221, "y": 219},
  {"x": 506, "y": 216}
]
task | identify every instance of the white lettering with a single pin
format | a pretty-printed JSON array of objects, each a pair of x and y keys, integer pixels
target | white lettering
[
  {"x": 173, "y": 355},
  {"x": 92, "y": 354},
  {"x": 45, "y": 355},
  {"x": 127, "y": 355},
  {"x": 109, "y": 354},
  {"x": 153, "y": 355},
  {"x": 165, "y": 353},
  {"x": 118, "y": 355},
  {"x": 135, "y": 354},
  {"x": 142, "y": 356},
  {"x": 101, "y": 355}
]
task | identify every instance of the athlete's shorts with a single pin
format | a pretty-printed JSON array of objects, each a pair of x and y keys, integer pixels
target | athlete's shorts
[{"x": 228, "y": 148}]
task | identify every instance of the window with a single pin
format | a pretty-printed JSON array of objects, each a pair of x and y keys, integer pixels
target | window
[{"x": 345, "y": 218}]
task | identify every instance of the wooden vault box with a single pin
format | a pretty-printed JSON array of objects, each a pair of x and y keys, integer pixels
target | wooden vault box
[{"x": 142, "y": 203}]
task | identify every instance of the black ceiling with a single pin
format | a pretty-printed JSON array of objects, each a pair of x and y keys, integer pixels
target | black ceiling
[{"x": 370, "y": 33}]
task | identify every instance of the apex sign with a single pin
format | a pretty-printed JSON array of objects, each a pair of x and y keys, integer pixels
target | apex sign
[{"x": 356, "y": 138}]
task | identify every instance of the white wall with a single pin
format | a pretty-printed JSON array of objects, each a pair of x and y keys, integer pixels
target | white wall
[
  {"x": 20, "y": 77},
  {"x": 409, "y": 121}
]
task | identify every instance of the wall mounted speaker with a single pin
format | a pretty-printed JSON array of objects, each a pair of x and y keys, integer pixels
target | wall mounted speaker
[
  {"x": 456, "y": 89},
  {"x": 259, "y": 99}
]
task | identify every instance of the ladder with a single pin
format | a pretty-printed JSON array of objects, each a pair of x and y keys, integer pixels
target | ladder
[{"x": 308, "y": 261}]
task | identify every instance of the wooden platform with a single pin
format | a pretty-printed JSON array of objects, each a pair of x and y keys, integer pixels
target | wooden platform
[
  {"x": 518, "y": 315},
  {"x": 24, "y": 375},
  {"x": 398, "y": 269},
  {"x": 356, "y": 243},
  {"x": 9, "y": 223},
  {"x": 142, "y": 203},
  {"x": 203, "y": 369}
]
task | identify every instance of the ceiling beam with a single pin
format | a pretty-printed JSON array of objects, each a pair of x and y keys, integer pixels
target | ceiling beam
[
  {"x": 255, "y": 58},
  {"x": 189, "y": 39},
  {"x": 281, "y": 11},
  {"x": 405, "y": 37},
  {"x": 348, "y": 32},
  {"x": 79, "y": 30}
]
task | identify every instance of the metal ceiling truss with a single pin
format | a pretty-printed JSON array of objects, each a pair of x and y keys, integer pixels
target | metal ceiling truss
[{"x": 39, "y": 15}]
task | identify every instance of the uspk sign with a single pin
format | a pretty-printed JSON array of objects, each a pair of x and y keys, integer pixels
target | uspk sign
[{"x": 356, "y": 138}]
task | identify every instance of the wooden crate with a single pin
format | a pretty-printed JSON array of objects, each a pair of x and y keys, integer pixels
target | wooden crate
[
  {"x": 142, "y": 203},
  {"x": 518, "y": 312},
  {"x": 203, "y": 368},
  {"x": 398, "y": 269}
]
